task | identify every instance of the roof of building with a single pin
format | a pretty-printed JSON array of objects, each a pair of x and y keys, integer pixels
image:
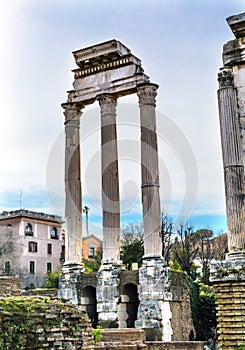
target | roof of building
[
  {"x": 30, "y": 214},
  {"x": 92, "y": 236}
]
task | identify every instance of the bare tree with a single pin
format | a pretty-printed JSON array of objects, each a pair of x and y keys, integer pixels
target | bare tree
[
  {"x": 166, "y": 236},
  {"x": 184, "y": 249},
  {"x": 206, "y": 251}
]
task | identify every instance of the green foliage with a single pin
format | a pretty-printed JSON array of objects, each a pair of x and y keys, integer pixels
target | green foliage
[
  {"x": 92, "y": 264},
  {"x": 132, "y": 245},
  {"x": 175, "y": 265},
  {"x": 203, "y": 310},
  {"x": 52, "y": 280},
  {"x": 97, "y": 334},
  {"x": 20, "y": 321}
]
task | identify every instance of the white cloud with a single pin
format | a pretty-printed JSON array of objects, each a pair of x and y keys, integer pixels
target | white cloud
[{"x": 37, "y": 39}]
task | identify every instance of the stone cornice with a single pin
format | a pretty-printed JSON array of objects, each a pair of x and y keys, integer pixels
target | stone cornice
[
  {"x": 234, "y": 52},
  {"x": 30, "y": 214},
  {"x": 110, "y": 63},
  {"x": 91, "y": 53},
  {"x": 237, "y": 24}
]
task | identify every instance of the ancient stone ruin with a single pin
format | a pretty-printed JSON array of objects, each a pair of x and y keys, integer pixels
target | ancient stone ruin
[
  {"x": 229, "y": 276},
  {"x": 154, "y": 298}
]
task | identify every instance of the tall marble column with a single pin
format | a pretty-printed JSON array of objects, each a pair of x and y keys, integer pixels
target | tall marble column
[
  {"x": 149, "y": 170},
  {"x": 233, "y": 163},
  {"x": 107, "y": 290},
  {"x": 73, "y": 204},
  {"x": 110, "y": 185}
]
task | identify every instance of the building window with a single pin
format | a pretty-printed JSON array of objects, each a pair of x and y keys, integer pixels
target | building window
[
  {"x": 28, "y": 230},
  {"x": 32, "y": 267},
  {"x": 7, "y": 267},
  {"x": 32, "y": 247},
  {"x": 53, "y": 233},
  {"x": 49, "y": 267},
  {"x": 49, "y": 248},
  {"x": 92, "y": 251}
]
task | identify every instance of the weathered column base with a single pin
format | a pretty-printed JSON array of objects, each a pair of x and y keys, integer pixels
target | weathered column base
[
  {"x": 69, "y": 282},
  {"x": 228, "y": 278},
  {"x": 154, "y": 313},
  {"x": 107, "y": 294}
]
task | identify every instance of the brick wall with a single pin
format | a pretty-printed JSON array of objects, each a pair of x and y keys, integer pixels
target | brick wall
[{"x": 230, "y": 309}]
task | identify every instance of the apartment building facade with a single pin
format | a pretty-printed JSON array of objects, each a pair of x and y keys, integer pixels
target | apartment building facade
[{"x": 30, "y": 245}]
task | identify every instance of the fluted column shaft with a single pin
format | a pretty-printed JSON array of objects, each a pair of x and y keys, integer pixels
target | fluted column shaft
[
  {"x": 232, "y": 161},
  {"x": 110, "y": 182},
  {"x": 149, "y": 170},
  {"x": 73, "y": 204}
]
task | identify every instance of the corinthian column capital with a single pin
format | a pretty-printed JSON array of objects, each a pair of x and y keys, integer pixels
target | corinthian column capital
[
  {"x": 107, "y": 104},
  {"x": 225, "y": 79},
  {"x": 147, "y": 94},
  {"x": 72, "y": 112}
]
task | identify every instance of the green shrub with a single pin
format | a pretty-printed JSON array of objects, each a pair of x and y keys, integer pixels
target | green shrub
[
  {"x": 203, "y": 310},
  {"x": 92, "y": 264},
  {"x": 52, "y": 280},
  {"x": 97, "y": 334}
]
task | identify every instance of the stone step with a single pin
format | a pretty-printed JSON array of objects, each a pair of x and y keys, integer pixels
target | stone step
[
  {"x": 123, "y": 335},
  {"x": 106, "y": 346}
]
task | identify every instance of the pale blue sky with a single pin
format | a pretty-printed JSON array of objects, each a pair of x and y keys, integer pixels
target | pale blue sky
[{"x": 180, "y": 45}]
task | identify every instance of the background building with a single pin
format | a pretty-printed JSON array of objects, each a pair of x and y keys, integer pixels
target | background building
[
  {"x": 91, "y": 246},
  {"x": 30, "y": 245}
]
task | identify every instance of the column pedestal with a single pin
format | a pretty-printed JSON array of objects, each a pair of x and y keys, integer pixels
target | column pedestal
[
  {"x": 69, "y": 281},
  {"x": 154, "y": 313},
  {"x": 107, "y": 294}
]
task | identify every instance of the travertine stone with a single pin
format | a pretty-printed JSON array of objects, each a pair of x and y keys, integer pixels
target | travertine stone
[
  {"x": 73, "y": 210},
  {"x": 233, "y": 162},
  {"x": 237, "y": 24},
  {"x": 107, "y": 295},
  {"x": 228, "y": 276},
  {"x": 108, "y": 67},
  {"x": 149, "y": 170},
  {"x": 110, "y": 184},
  {"x": 154, "y": 294}
]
